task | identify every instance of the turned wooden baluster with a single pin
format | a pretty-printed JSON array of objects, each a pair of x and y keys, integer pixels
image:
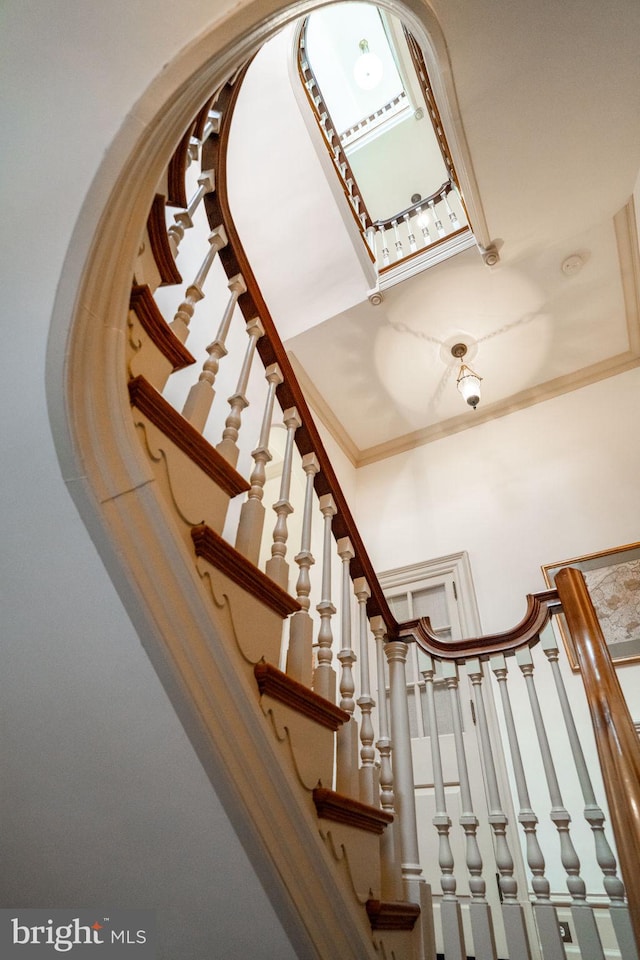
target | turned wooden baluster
[
  {"x": 593, "y": 813},
  {"x": 195, "y": 292},
  {"x": 397, "y": 240},
  {"x": 453, "y": 219},
  {"x": 479, "y": 911},
  {"x": 584, "y": 921},
  {"x": 183, "y": 220},
  {"x": 544, "y": 911},
  {"x": 396, "y": 653},
  {"x": 251, "y": 523},
  {"x": 616, "y": 737},
  {"x": 347, "y": 742},
  {"x": 300, "y": 653},
  {"x": 413, "y": 246},
  {"x": 384, "y": 248},
  {"x": 201, "y": 395},
  {"x": 512, "y": 913},
  {"x": 437, "y": 222},
  {"x": 277, "y": 567},
  {"x": 391, "y": 872},
  {"x": 450, "y": 914},
  {"x": 228, "y": 446},
  {"x": 423, "y": 223},
  {"x": 365, "y": 700},
  {"x": 324, "y": 678}
]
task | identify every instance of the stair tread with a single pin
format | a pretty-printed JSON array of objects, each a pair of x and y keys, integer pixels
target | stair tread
[
  {"x": 185, "y": 436},
  {"x": 341, "y": 809},
  {"x": 215, "y": 550},
  {"x": 148, "y": 313},
  {"x": 280, "y": 686},
  {"x": 159, "y": 240},
  {"x": 392, "y": 914}
]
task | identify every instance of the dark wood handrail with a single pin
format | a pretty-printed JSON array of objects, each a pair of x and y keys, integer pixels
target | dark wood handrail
[
  {"x": 615, "y": 734},
  {"x": 445, "y": 189},
  {"x": 540, "y": 608},
  {"x": 271, "y": 350}
]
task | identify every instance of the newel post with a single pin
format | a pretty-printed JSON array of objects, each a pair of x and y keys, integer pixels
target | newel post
[{"x": 615, "y": 734}]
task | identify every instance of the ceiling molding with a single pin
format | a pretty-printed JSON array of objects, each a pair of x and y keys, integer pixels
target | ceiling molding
[{"x": 624, "y": 223}]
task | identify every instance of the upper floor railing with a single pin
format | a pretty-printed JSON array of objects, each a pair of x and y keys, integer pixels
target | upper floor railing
[{"x": 195, "y": 301}]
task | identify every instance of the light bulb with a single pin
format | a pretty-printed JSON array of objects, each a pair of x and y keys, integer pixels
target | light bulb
[{"x": 367, "y": 70}]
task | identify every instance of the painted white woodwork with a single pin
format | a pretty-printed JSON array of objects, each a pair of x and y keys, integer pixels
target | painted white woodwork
[
  {"x": 450, "y": 915},
  {"x": 202, "y": 393},
  {"x": 228, "y": 446},
  {"x": 545, "y": 912},
  {"x": 251, "y": 522},
  {"x": 194, "y": 292},
  {"x": 365, "y": 701},
  {"x": 390, "y": 866},
  {"x": 183, "y": 220},
  {"x": 479, "y": 910},
  {"x": 514, "y": 921},
  {"x": 584, "y": 921},
  {"x": 347, "y": 775},
  {"x": 593, "y": 813},
  {"x": 324, "y": 677},
  {"x": 300, "y": 652},
  {"x": 277, "y": 567},
  {"x": 396, "y": 654}
]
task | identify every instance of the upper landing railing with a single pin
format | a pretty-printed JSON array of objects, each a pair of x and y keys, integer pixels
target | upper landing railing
[
  {"x": 217, "y": 464},
  {"x": 431, "y": 228}
]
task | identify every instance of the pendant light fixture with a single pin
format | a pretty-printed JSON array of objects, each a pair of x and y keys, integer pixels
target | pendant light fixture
[
  {"x": 367, "y": 70},
  {"x": 468, "y": 381}
]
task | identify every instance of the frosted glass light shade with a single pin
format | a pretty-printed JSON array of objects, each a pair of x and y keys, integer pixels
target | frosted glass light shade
[
  {"x": 469, "y": 385},
  {"x": 367, "y": 70}
]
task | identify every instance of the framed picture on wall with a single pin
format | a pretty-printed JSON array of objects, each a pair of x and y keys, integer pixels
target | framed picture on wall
[{"x": 613, "y": 581}]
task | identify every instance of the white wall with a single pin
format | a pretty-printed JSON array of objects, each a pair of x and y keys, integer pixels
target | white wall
[
  {"x": 104, "y": 802},
  {"x": 555, "y": 481}
]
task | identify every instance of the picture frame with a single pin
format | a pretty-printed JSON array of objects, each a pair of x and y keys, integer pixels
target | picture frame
[{"x": 613, "y": 581}]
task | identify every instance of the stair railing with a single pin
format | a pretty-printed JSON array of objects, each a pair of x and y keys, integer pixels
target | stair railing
[
  {"x": 533, "y": 651},
  {"x": 218, "y": 469}
]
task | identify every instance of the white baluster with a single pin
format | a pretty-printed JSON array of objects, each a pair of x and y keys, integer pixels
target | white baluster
[
  {"x": 251, "y": 523},
  {"x": 277, "y": 567},
  {"x": 385, "y": 249},
  {"x": 213, "y": 125},
  {"x": 478, "y": 908},
  {"x": 324, "y": 679},
  {"x": 423, "y": 223},
  {"x": 391, "y": 872},
  {"x": 593, "y": 813},
  {"x": 300, "y": 653},
  {"x": 437, "y": 222},
  {"x": 194, "y": 292},
  {"x": 201, "y": 396},
  {"x": 228, "y": 446},
  {"x": 396, "y": 653},
  {"x": 413, "y": 246},
  {"x": 453, "y": 219},
  {"x": 347, "y": 742},
  {"x": 450, "y": 914},
  {"x": 184, "y": 218},
  {"x": 560, "y": 816},
  {"x": 513, "y": 916},
  {"x": 365, "y": 700},
  {"x": 397, "y": 240},
  {"x": 545, "y": 912}
]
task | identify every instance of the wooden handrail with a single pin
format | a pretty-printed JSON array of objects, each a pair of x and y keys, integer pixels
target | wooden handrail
[
  {"x": 615, "y": 734},
  {"x": 540, "y": 608},
  {"x": 445, "y": 189},
  {"x": 271, "y": 350}
]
